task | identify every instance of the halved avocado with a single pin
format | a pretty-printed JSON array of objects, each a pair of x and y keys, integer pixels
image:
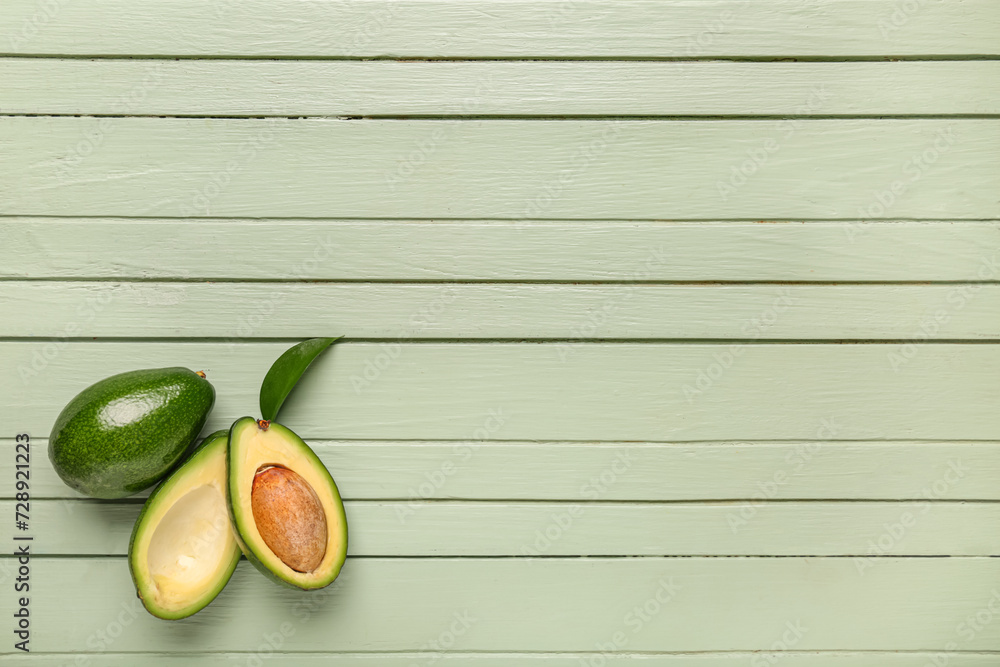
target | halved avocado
[
  {"x": 183, "y": 550},
  {"x": 284, "y": 505}
]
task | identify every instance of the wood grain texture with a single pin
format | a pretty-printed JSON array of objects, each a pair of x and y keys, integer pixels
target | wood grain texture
[
  {"x": 498, "y": 28},
  {"x": 391, "y": 311},
  {"x": 516, "y": 170},
  {"x": 548, "y": 604},
  {"x": 619, "y": 471},
  {"x": 533, "y": 391},
  {"x": 520, "y": 488},
  {"x": 504, "y": 659},
  {"x": 419, "y": 528},
  {"x": 478, "y": 250},
  {"x": 484, "y": 88}
]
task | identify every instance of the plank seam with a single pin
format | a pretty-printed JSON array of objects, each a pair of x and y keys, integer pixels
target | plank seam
[
  {"x": 594, "y": 557},
  {"x": 519, "y": 340},
  {"x": 465, "y": 501},
  {"x": 500, "y": 222},
  {"x": 466, "y": 652},
  {"x": 498, "y": 442},
  {"x": 791, "y": 57},
  {"x": 512, "y": 222},
  {"x": 86, "y": 280},
  {"x": 523, "y": 117}
]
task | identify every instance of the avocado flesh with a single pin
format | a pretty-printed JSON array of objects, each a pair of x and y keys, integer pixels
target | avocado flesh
[
  {"x": 252, "y": 447},
  {"x": 121, "y": 435},
  {"x": 183, "y": 550}
]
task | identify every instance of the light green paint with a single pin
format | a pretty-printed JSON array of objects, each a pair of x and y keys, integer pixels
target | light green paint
[
  {"x": 583, "y": 527},
  {"x": 461, "y": 659},
  {"x": 507, "y": 29},
  {"x": 544, "y": 604},
  {"x": 367, "y": 206},
  {"x": 574, "y": 390},
  {"x": 505, "y": 169},
  {"x": 562, "y": 88},
  {"x": 620, "y": 311},
  {"x": 488, "y": 470},
  {"x": 170, "y": 249}
]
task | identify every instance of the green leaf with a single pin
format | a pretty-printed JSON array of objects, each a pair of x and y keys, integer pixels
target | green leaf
[{"x": 285, "y": 374}]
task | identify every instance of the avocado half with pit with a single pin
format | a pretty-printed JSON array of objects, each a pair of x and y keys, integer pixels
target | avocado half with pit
[
  {"x": 284, "y": 505},
  {"x": 183, "y": 550}
]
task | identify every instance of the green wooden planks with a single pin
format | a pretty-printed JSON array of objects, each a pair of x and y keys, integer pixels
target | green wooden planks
[
  {"x": 610, "y": 471},
  {"x": 499, "y": 28},
  {"x": 757, "y": 479},
  {"x": 866, "y": 530},
  {"x": 512, "y": 251},
  {"x": 481, "y": 88},
  {"x": 451, "y": 659},
  {"x": 515, "y": 170},
  {"x": 560, "y": 391},
  {"x": 540, "y": 604},
  {"x": 391, "y": 311}
]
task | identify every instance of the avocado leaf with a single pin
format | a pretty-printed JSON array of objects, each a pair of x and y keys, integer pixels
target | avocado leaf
[{"x": 285, "y": 373}]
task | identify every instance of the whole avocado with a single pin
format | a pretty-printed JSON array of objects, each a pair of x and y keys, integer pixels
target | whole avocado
[{"x": 123, "y": 434}]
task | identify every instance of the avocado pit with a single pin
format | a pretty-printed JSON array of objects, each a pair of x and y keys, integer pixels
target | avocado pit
[{"x": 289, "y": 517}]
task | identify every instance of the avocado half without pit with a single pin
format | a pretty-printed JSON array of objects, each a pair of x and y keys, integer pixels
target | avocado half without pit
[
  {"x": 183, "y": 550},
  {"x": 284, "y": 505}
]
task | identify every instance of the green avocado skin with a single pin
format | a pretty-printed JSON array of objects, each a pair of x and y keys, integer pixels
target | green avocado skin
[
  {"x": 133, "y": 567},
  {"x": 123, "y": 434},
  {"x": 250, "y": 550}
]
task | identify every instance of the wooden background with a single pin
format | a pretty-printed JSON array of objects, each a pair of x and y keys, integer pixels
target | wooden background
[{"x": 672, "y": 325}]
